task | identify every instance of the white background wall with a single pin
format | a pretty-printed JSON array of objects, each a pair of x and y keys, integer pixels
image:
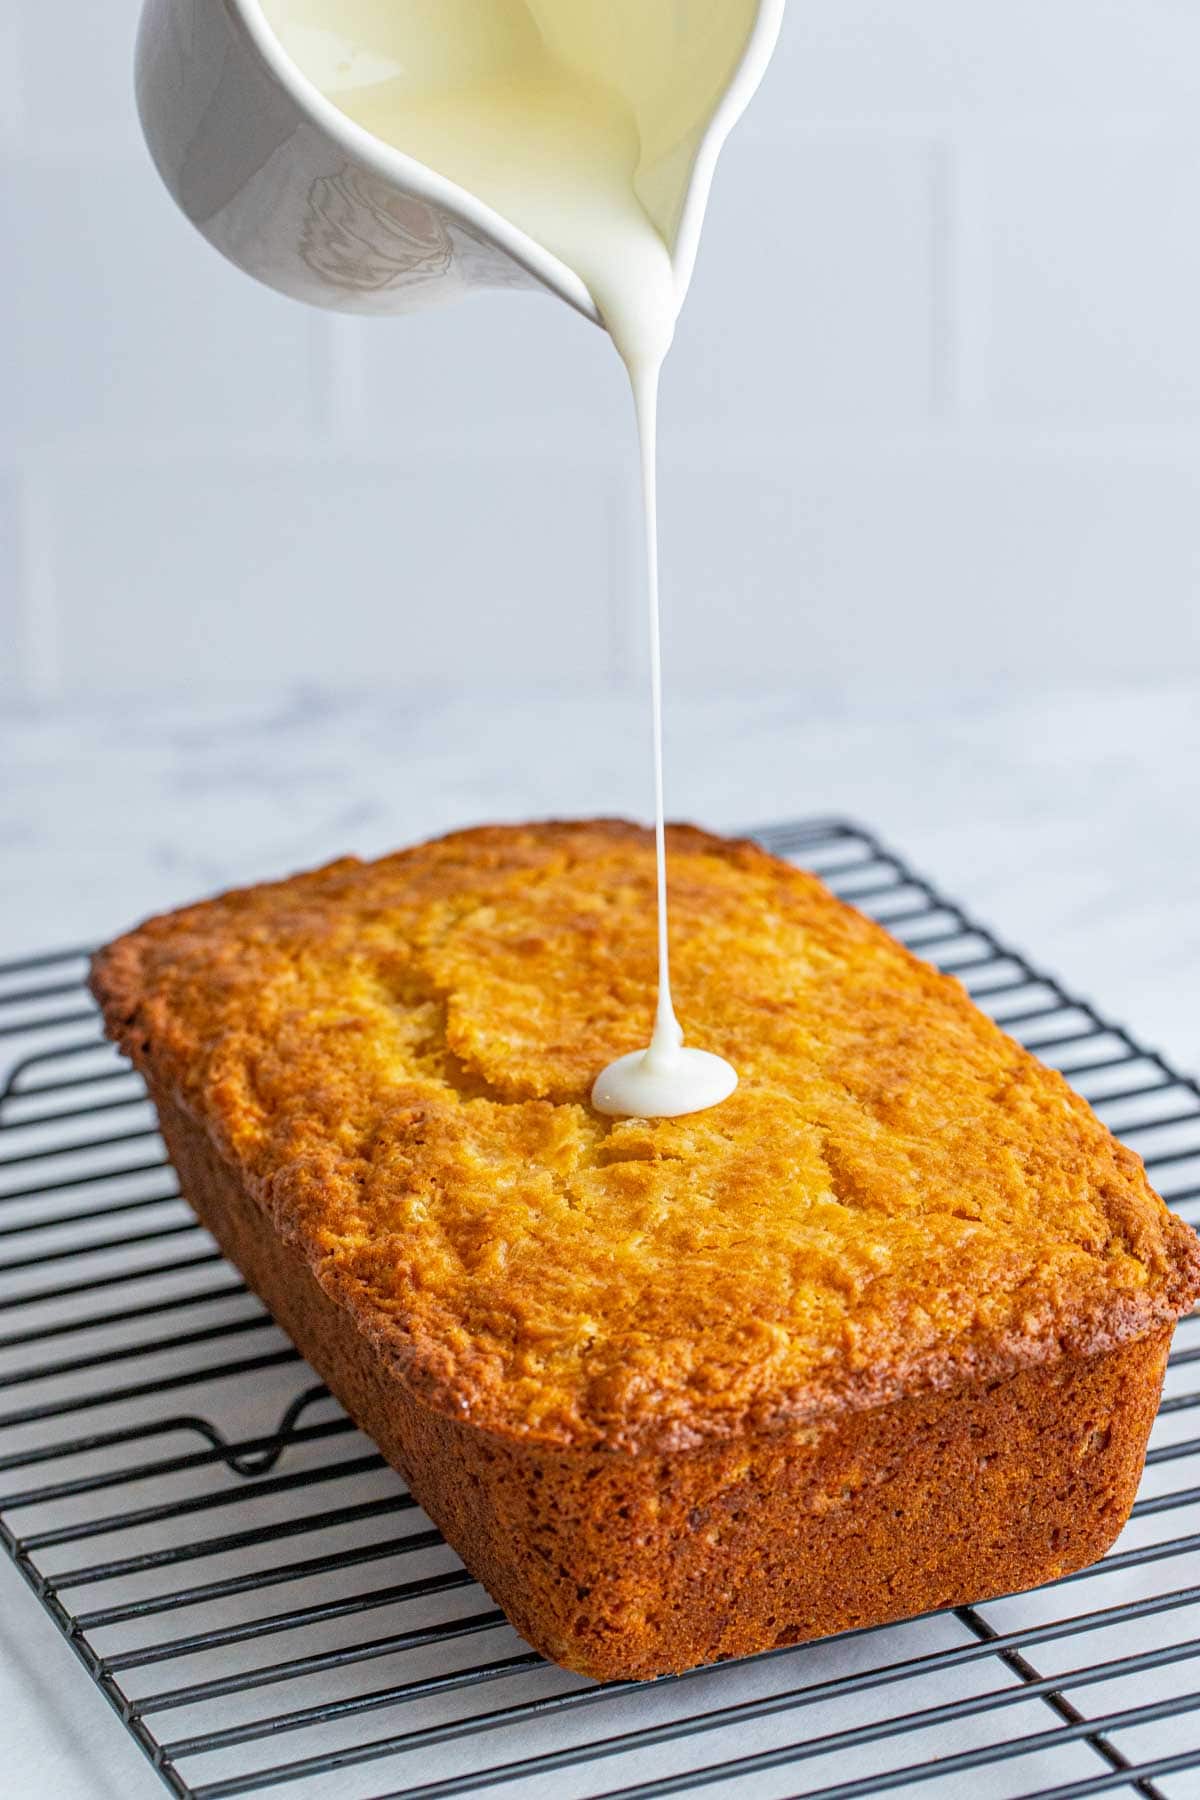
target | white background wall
[{"x": 933, "y": 415}]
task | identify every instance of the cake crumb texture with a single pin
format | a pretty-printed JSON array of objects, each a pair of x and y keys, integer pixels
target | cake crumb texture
[{"x": 394, "y": 1061}]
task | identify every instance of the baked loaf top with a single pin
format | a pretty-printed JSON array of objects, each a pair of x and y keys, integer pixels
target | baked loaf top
[{"x": 396, "y": 1058}]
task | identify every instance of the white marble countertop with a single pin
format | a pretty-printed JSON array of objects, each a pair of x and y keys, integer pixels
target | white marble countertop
[{"x": 1067, "y": 821}]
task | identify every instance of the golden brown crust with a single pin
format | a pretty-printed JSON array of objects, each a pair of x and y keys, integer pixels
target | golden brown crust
[{"x": 394, "y": 1059}]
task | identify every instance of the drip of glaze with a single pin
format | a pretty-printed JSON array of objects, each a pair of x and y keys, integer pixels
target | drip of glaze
[{"x": 669, "y": 1078}]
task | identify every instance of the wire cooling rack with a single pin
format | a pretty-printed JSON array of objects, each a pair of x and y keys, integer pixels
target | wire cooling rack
[{"x": 265, "y": 1608}]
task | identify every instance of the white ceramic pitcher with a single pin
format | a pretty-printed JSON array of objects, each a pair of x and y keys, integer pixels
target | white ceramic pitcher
[{"x": 298, "y": 195}]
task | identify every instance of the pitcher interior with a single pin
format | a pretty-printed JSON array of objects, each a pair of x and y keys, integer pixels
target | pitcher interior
[{"x": 659, "y": 70}]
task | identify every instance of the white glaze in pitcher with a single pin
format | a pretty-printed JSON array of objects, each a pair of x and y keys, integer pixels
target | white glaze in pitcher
[{"x": 290, "y": 189}]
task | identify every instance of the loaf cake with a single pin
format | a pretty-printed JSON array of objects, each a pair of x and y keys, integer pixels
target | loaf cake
[{"x": 883, "y": 1332}]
